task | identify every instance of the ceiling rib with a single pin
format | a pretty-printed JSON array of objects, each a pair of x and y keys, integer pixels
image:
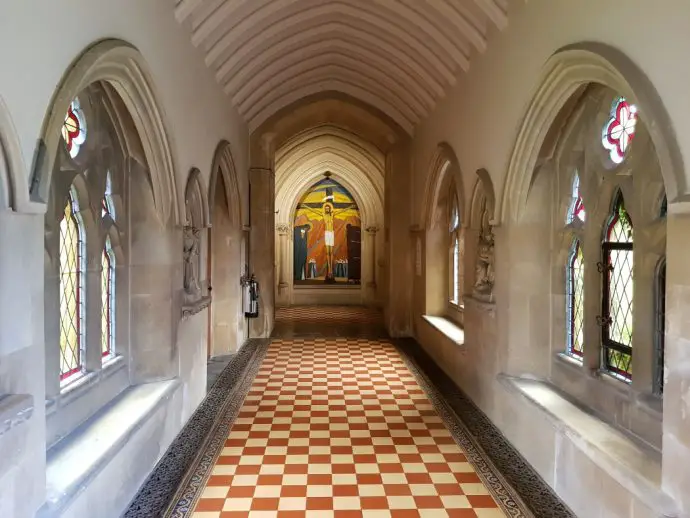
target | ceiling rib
[{"x": 400, "y": 56}]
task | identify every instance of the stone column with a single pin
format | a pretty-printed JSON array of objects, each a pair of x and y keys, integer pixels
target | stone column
[
  {"x": 398, "y": 257},
  {"x": 371, "y": 231},
  {"x": 262, "y": 232},
  {"x": 283, "y": 230},
  {"x": 676, "y": 438}
]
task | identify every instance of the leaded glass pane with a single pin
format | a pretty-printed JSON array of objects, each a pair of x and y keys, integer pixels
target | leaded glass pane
[
  {"x": 577, "y": 207},
  {"x": 456, "y": 270},
  {"x": 660, "y": 327},
  {"x": 576, "y": 293},
  {"x": 107, "y": 206},
  {"x": 71, "y": 291},
  {"x": 617, "y": 317},
  {"x": 454, "y": 222},
  {"x": 621, "y": 296}
]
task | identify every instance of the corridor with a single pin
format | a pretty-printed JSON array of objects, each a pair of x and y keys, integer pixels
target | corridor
[
  {"x": 344, "y": 258},
  {"x": 326, "y": 425}
]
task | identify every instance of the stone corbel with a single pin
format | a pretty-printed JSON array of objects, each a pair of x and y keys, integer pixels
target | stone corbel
[
  {"x": 14, "y": 410},
  {"x": 194, "y": 307}
]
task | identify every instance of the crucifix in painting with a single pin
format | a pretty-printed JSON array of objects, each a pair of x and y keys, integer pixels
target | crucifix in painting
[{"x": 323, "y": 246}]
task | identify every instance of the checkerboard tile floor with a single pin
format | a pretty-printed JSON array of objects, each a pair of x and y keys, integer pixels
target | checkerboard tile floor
[
  {"x": 333, "y": 315},
  {"x": 339, "y": 427}
]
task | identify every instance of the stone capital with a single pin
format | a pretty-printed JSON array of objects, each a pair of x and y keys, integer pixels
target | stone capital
[
  {"x": 283, "y": 229},
  {"x": 372, "y": 229}
]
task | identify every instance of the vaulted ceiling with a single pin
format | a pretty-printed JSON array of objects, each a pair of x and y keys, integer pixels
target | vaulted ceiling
[{"x": 399, "y": 56}]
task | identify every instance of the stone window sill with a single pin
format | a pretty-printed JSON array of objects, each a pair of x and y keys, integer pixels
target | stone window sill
[
  {"x": 83, "y": 384},
  {"x": 15, "y": 409},
  {"x": 651, "y": 403},
  {"x": 447, "y": 327},
  {"x": 79, "y": 457},
  {"x": 632, "y": 464}
]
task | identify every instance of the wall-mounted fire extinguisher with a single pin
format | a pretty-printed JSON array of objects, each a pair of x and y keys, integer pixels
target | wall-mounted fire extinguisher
[{"x": 250, "y": 296}]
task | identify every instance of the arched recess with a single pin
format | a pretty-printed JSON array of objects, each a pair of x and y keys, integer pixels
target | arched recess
[
  {"x": 352, "y": 162},
  {"x": 480, "y": 232},
  {"x": 109, "y": 177},
  {"x": 568, "y": 70},
  {"x": 445, "y": 182},
  {"x": 226, "y": 256},
  {"x": 196, "y": 203},
  {"x": 123, "y": 67}
]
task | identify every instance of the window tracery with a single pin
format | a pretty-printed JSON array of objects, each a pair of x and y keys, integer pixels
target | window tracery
[
  {"x": 617, "y": 303},
  {"x": 575, "y": 301},
  {"x": 72, "y": 267},
  {"x": 74, "y": 128},
  {"x": 619, "y": 131}
]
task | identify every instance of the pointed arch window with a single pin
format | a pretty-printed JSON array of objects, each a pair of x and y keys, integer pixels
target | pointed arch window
[
  {"x": 107, "y": 300},
  {"x": 617, "y": 303},
  {"x": 660, "y": 328},
  {"x": 577, "y": 206},
  {"x": 575, "y": 293},
  {"x": 619, "y": 131},
  {"x": 72, "y": 268},
  {"x": 74, "y": 128},
  {"x": 107, "y": 205},
  {"x": 454, "y": 252}
]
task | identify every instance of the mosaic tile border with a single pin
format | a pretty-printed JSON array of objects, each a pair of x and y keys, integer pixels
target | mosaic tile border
[
  {"x": 172, "y": 472},
  {"x": 460, "y": 413}
]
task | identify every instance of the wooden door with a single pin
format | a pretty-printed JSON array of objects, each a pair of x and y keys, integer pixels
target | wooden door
[{"x": 354, "y": 253}]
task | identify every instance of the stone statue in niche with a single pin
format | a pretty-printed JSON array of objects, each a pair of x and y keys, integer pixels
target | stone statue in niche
[
  {"x": 484, "y": 270},
  {"x": 191, "y": 243}
]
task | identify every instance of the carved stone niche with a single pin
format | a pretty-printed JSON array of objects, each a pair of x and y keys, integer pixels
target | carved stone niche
[
  {"x": 483, "y": 203},
  {"x": 195, "y": 299}
]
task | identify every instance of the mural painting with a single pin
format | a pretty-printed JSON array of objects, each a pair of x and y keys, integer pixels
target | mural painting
[{"x": 327, "y": 236}]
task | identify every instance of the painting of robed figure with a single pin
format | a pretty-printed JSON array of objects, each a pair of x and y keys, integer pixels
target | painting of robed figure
[{"x": 327, "y": 236}]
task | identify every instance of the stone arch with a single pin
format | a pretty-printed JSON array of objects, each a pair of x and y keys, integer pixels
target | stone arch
[
  {"x": 223, "y": 163},
  {"x": 351, "y": 161},
  {"x": 444, "y": 175},
  {"x": 14, "y": 192},
  {"x": 569, "y": 69},
  {"x": 226, "y": 255},
  {"x": 195, "y": 194},
  {"x": 444, "y": 166},
  {"x": 123, "y": 67},
  {"x": 483, "y": 192}
]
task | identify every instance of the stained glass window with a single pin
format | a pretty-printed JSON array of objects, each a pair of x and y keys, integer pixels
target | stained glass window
[
  {"x": 619, "y": 131},
  {"x": 617, "y": 306},
  {"x": 454, "y": 255},
  {"x": 577, "y": 206},
  {"x": 107, "y": 300},
  {"x": 456, "y": 270},
  {"x": 660, "y": 327},
  {"x": 72, "y": 258},
  {"x": 575, "y": 292},
  {"x": 74, "y": 128}
]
